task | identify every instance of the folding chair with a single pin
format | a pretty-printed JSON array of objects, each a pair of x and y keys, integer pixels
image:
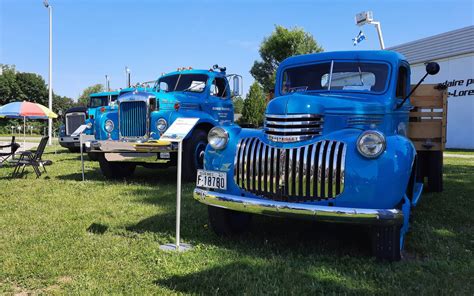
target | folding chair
[
  {"x": 31, "y": 158},
  {"x": 13, "y": 148}
]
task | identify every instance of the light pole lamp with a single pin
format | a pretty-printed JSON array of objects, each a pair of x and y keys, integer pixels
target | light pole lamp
[
  {"x": 50, "y": 83},
  {"x": 367, "y": 17}
]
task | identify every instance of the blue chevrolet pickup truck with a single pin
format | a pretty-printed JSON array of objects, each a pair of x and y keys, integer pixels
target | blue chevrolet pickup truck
[
  {"x": 334, "y": 148},
  {"x": 143, "y": 115}
]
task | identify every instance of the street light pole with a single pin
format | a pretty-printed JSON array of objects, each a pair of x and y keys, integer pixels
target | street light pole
[{"x": 50, "y": 83}]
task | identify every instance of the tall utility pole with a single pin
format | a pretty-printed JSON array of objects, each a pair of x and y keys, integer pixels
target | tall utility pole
[{"x": 50, "y": 83}]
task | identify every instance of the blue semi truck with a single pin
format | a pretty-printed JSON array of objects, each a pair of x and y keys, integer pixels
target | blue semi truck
[
  {"x": 335, "y": 148},
  {"x": 143, "y": 115},
  {"x": 77, "y": 116}
]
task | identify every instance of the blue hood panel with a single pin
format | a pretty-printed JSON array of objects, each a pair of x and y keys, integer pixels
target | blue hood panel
[{"x": 325, "y": 104}]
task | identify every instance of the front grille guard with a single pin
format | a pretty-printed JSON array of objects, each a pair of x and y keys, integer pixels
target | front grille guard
[{"x": 308, "y": 173}]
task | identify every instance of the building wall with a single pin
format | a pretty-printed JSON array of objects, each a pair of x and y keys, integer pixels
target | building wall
[{"x": 458, "y": 73}]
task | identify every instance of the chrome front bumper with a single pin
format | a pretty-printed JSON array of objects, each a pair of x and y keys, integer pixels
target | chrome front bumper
[
  {"x": 299, "y": 210},
  {"x": 118, "y": 151}
]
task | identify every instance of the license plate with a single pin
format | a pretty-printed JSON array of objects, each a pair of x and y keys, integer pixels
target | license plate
[
  {"x": 165, "y": 155},
  {"x": 211, "y": 179}
]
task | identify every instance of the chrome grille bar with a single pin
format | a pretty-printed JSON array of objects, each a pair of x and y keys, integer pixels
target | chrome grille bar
[
  {"x": 305, "y": 173},
  {"x": 292, "y": 127}
]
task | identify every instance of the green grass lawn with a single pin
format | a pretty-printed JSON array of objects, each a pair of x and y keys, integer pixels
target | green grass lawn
[{"x": 59, "y": 235}]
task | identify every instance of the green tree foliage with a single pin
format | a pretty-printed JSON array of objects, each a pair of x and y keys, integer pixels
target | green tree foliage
[
  {"x": 9, "y": 88},
  {"x": 33, "y": 88},
  {"x": 238, "y": 104},
  {"x": 84, "y": 98},
  {"x": 281, "y": 44},
  {"x": 254, "y": 106}
]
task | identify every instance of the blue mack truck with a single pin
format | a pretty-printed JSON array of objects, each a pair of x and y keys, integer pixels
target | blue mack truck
[
  {"x": 334, "y": 148},
  {"x": 143, "y": 115}
]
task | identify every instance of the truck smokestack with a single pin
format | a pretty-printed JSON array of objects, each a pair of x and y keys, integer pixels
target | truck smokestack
[
  {"x": 107, "y": 83},
  {"x": 127, "y": 76}
]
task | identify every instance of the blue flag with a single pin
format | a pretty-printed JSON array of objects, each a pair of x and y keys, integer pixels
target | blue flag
[{"x": 359, "y": 38}]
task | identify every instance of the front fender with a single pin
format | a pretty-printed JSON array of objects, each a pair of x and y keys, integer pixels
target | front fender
[
  {"x": 100, "y": 132},
  {"x": 171, "y": 116}
]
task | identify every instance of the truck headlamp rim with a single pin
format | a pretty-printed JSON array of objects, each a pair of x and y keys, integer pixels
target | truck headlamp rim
[
  {"x": 109, "y": 126},
  {"x": 161, "y": 125},
  {"x": 89, "y": 125},
  {"x": 218, "y": 138},
  {"x": 371, "y": 144}
]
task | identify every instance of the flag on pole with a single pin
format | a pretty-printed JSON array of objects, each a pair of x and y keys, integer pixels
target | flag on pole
[{"x": 359, "y": 38}]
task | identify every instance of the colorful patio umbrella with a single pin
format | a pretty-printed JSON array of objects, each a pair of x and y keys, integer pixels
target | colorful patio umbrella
[{"x": 26, "y": 110}]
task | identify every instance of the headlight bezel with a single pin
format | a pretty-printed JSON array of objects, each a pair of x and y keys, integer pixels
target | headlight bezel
[
  {"x": 163, "y": 122},
  {"x": 364, "y": 151},
  {"x": 107, "y": 124},
  {"x": 221, "y": 134},
  {"x": 89, "y": 125}
]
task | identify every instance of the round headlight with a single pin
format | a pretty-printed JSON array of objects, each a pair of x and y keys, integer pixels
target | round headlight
[
  {"x": 161, "y": 125},
  {"x": 89, "y": 125},
  {"x": 109, "y": 126},
  {"x": 371, "y": 144},
  {"x": 218, "y": 138}
]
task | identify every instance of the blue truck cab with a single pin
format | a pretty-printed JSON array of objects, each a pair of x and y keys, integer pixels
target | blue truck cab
[
  {"x": 334, "y": 148},
  {"x": 143, "y": 115}
]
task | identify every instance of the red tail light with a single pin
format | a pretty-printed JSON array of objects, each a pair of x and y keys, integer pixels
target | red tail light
[{"x": 176, "y": 106}]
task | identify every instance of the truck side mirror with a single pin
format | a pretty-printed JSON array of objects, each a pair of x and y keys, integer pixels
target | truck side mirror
[
  {"x": 432, "y": 68},
  {"x": 236, "y": 85}
]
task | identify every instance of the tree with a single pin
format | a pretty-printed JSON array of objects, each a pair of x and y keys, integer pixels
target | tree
[
  {"x": 84, "y": 98},
  {"x": 281, "y": 44},
  {"x": 254, "y": 106},
  {"x": 9, "y": 89},
  {"x": 33, "y": 88},
  {"x": 238, "y": 104}
]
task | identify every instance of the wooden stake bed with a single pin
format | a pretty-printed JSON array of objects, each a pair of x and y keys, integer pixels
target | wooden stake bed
[{"x": 427, "y": 125}]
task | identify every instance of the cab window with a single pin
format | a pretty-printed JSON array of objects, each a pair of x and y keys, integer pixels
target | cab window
[
  {"x": 219, "y": 88},
  {"x": 402, "y": 82}
]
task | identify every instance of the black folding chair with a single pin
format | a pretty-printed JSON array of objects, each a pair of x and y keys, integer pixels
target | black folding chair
[
  {"x": 13, "y": 148},
  {"x": 32, "y": 158}
]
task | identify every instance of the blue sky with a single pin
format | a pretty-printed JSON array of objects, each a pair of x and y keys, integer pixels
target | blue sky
[{"x": 97, "y": 37}]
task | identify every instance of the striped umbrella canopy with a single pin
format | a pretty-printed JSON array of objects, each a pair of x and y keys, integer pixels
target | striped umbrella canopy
[{"x": 26, "y": 110}]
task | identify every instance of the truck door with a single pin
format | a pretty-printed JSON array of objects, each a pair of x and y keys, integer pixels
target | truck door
[{"x": 220, "y": 104}]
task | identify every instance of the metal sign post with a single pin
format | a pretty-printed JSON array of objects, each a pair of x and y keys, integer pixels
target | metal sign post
[
  {"x": 176, "y": 134},
  {"x": 367, "y": 17}
]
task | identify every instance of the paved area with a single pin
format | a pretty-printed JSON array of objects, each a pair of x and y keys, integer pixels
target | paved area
[{"x": 458, "y": 155}]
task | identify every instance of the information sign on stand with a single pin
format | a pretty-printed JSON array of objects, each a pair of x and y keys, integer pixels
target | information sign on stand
[
  {"x": 176, "y": 133},
  {"x": 82, "y": 138}
]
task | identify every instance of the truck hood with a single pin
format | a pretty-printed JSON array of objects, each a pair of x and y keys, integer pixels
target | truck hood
[{"x": 325, "y": 104}]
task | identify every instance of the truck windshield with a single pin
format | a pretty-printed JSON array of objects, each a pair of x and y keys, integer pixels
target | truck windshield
[
  {"x": 183, "y": 82},
  {"x": 336, "y": 76},
  {"x": 95, "y": 102}
]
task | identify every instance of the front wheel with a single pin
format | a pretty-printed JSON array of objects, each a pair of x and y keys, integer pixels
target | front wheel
[
  {"x": 193, "y": 154},
  {"x": 115, "y": 170},
  {"x": 227, "y": 222},
  {"x": 386, "y": 242}
]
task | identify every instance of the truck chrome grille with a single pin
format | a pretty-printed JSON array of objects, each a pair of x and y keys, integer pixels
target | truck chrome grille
[
  {"x": 308, "y": 173},
  {"x": 73, "y": 121},
  {"x": 133, "y": 119},
  {"x": 292, "y": 127}
]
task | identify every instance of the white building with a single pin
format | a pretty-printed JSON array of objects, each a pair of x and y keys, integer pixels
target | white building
[{"x": 454, "y": 51}]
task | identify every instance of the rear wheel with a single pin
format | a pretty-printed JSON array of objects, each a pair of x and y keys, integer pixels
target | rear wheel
[
  {"x": 386, "y": 242},
  {"x": 227, "y": 222},
  {"x": 435, "y": 173},
  {"x": 115, "y": 170},
  {"x": 193, "y": 154}
]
